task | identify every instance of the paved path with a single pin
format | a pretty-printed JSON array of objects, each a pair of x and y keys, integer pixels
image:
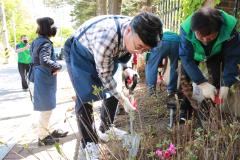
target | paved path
[{"x": 18, "y": 121}]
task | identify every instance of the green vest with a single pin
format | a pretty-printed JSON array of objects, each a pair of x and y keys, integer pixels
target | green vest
[
  {"x": 24, "y": 57},
  {"x": 224, "y": 34}
]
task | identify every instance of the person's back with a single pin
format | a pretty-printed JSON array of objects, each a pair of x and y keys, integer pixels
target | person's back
[
  {"x": 92, "y": 56},
  {"x": 167, "y": 48}
]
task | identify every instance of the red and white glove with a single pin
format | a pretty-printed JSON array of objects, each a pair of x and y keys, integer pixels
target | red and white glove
[
  {"x": 127, "y": 105},
  {"x": 223, "y": 93},
  {"x": 129, "y": 72},
  {"x": 208, "y": 90}
]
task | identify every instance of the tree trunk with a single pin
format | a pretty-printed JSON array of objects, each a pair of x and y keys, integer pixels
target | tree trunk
[
  {"x": 101, "y": 7},
  {"x": 114, "y": 6}
]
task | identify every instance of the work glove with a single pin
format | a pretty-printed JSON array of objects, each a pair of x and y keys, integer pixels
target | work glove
[
  {"x": 197, "y": 93},
  {"x": 129, "y": 72},
  {"x": 126, "y": 103},
  {"x": 208, "y": 90},
  {"x": 223, "y": 93}
]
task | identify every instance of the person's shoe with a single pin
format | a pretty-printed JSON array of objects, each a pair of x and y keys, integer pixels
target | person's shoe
[
  {"x": 183, "y": 116},
  {"x": 92, "y": 151},
  {"x": 111, "y": 133},
  {"x": 58, "y": 133},
  {"x": 49, "y": 140},
  {"x": 151, "y": 92}
]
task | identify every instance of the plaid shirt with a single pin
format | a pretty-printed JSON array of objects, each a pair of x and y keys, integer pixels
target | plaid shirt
[{"x": 102, "y": 41}]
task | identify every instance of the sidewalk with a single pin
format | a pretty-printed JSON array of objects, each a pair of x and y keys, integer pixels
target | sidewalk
[
  {"x": 27, "y": 148},
  {"x": 20, "y": 141}
]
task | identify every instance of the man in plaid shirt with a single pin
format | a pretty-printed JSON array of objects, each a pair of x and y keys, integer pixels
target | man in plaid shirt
[{"x": 92, "y": 55}]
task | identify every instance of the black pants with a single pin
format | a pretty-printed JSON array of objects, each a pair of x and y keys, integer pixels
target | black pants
[
  {"x": 85, "y": 119},
  {"x": 23, "y": 70}
]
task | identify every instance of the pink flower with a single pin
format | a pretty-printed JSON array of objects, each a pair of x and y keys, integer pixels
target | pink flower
[
  {"x": 159, "y": 153},
  {"x": 172, "y": 149},
  {"x": 167, "y": 154}
]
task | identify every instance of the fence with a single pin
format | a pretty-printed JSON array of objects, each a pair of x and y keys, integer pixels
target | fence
[{"x": 170, "y": 12}]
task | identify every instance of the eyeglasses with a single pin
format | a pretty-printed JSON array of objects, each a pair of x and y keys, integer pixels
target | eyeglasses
[{"x": 138, "y": 46}]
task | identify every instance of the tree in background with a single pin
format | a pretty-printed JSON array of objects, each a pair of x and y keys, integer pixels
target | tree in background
[
  {"x": 101, "y": 7},
  {"x": 114, "y": 6},
  {"x": 19, "y": 21},
  {"x": 83, "y": 10}
]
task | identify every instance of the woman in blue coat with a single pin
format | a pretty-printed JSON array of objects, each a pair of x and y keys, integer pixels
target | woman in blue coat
[{"x": 45, "y": 69}]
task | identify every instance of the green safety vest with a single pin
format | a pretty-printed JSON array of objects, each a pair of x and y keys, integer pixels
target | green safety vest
[
  {"x": 224, "y": 34},
  {"x": 24, "y": 57}
]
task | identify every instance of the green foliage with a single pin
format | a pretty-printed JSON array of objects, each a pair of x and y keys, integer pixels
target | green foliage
[
  {"x": 55, "y": 3},
  {"x": 58, "y": 148},
  {"x": 190, "y": 6},
  {"x": 131, "y": 7},
  {"x": 17, "y": 14},
  {"x": 83, "y": 10},
  {"x": 96, "y": 90}
]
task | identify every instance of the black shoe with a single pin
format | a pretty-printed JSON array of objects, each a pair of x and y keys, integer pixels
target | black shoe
[
  {"x": 49, "y": 140},
  {"x": 58, "y": 134},
  {"x": 183, "y": 116}
]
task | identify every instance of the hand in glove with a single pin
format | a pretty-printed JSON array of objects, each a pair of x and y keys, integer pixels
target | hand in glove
[
  {"x": 130, "y": 73},
  {"x": 126, "y": 104},
  {"x": 208, "y": 90},
  {"x": 223, "y": 93}
]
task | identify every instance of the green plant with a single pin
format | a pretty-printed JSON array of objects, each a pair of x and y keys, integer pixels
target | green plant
[{"x": 190, "y": 6}]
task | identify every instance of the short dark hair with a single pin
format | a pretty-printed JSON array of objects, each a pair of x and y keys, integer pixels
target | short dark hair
[
  {"x": 206, "y": 21},
  {"x": 148, "y": 27},
  {"x": 45, "y": 27},
  {"x": 23, "y": 36}
]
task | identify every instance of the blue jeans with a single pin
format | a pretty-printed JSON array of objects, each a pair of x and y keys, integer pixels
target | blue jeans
[{"x": 164, "y": 49}]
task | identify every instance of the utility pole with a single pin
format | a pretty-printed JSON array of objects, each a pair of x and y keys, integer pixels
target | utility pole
[
  {"x": 14, "y": 28},
  {"x": 4, "y": 26},
  {"x": 4, "y": 34}
]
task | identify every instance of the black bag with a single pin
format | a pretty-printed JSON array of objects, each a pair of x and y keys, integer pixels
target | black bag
[{"x": 31, "y": 73}]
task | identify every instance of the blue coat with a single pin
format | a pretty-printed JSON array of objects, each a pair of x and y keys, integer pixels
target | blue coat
[
  {"x": 45, "y": 83},
  {"x": 230, "y": 51}
]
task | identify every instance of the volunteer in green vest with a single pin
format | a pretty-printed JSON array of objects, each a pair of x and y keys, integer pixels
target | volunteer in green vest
[
  {"x": 24, "y": 60},
  {"x": 210, "y": 35}
]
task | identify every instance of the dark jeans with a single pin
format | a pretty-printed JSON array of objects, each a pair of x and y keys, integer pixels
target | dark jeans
[
  {"x": 165, "y": 49},
  {"x": 23, "y": 70},
  {"x": 85, "y": 119}
]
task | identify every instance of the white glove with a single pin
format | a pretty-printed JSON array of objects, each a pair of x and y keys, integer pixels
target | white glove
[
  {"x": 223, "y": 93},
  {"x": 130, "y": 73},
  {"x": 197, "y": 93},
  {"x": 208, "y": 90},
  {"x": 126, "y": 104}
]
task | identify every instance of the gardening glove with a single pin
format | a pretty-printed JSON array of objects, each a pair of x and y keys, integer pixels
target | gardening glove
[
  {"x": 197, "y": 93},
  {"x": 126, "y": 103},
  {"x": 208, "y": 90},
  {"x": 129, "y": 72},
  {"x": 223, "y": 93}
]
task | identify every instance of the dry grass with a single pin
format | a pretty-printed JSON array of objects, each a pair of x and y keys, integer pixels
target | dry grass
[{"x": 219, "y": 139}]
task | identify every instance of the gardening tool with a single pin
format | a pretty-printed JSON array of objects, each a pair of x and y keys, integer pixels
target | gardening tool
[{"x": 131, "y": 141}]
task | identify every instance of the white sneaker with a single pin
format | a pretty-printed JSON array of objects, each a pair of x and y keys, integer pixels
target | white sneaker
[
  {"x": 112, "y": 133},
  {"x": 92, "y": 151}
]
